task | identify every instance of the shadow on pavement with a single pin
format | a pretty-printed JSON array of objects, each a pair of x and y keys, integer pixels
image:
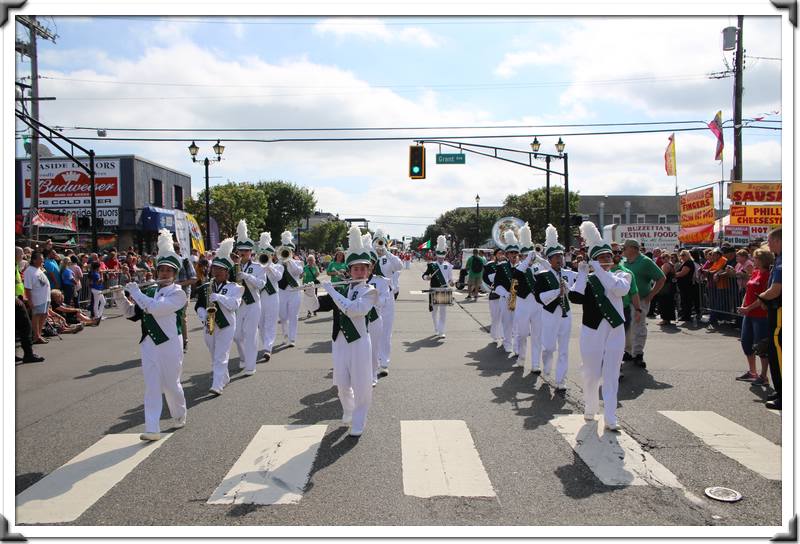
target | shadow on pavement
[
  {"x": 331, "y": 451},
  {"x": 636, "y": 381},
  {"x": 490, "y": 360},
  {"x": 323, "y": 346},
  {"x": 24, "y": 481},
  {"x": 320, "y": 406},
  {"x": 110, "y": 368},
  {"x": 579, "y": 481},
  {"x": 429, "y": 342},
  {"x": 545, "y": 406}
]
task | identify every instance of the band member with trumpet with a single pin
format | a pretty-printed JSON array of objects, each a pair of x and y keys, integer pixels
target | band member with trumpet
[
  {"x": 489, "y": 274},
  {"x": 251, "y": 275},
  {"x": 389, "y": 267},
  {"x": 376, "y": 318},
  {"x": 159, "y": 310},
  {"x": 551, "y": 290},
  {"x": 440, "y": 275},
  {"x": 289, "y": 298},
  {"x": 273, "y": 272},
  {"x": 217, "y": 302},
  {"x": 352, "y": 367},
  {"x": 504, "y": 287},
  {"x": 602, "y": 332},
  {"x": 528, "y": 312}
]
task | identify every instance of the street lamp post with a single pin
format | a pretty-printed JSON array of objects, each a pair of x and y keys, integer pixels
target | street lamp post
[
  {"x": 560, "y": 145},
  {"x": 218, "y": 150},
  {"x": 477, "y": 220}
]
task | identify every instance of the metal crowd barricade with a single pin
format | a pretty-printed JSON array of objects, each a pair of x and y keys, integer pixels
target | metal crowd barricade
[{"x": 721, "y": 301}]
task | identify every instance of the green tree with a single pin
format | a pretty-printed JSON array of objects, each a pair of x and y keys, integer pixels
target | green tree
[
  {"x": 460, "y": 225},
  {"x": 228, "y": 204},
  {"x": 530, "y": 207},
  {"x": 325, "y": 236},
  {"x": 288, "y": 204}
]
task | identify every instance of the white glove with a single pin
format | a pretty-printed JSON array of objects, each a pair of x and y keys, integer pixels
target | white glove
[
  {"x": 214, "y": 297},
  {"x": 202, "y": 313},
  {"x": 132, "y": 287},
  {"x": 583, "y": 268},
  {"x": 596, "y": 265}
]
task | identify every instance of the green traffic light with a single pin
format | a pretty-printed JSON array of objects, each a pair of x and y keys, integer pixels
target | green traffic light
[{"x": 415, "y": 169}]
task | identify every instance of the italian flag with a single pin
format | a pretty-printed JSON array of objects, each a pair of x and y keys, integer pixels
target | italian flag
[{"x": 426, "y": 245}]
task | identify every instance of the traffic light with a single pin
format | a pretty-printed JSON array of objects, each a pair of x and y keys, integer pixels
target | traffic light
[
  {"x": 416, "y": 162},
  {"x": 575, "y": 220}
]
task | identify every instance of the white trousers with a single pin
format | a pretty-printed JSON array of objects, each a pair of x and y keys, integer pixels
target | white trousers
[
  {"x": 219, "y": 344},
  {"x": 289, "y": 304},
  {"x": 269, "y": 320},
  {"x": 98, "y": 303},
  {"x": 528, "y": 323},
  {"x": 246, "y": 337},
  {"x": 387, "y": 315},
  {"x": 376, "y": 341},
  {"x": 161, "y": 367},
  {"x": 439, "y": 315},
  {"x": 495, "y": 311},
  {"x": 352, "y": 375},
  {"x": 601, "y": 351},
  {"x": 555, "y": 335},
  {"x": 507, "y": 318}
]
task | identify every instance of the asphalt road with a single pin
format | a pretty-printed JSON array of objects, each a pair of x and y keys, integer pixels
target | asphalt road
[{"x": 91, "y": 386}]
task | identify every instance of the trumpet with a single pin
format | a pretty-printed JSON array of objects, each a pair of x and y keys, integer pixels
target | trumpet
[{"x": 284, "y": 253}]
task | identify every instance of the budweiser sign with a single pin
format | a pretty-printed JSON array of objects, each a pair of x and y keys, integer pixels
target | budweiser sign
[{"x": 63, "y": 184}]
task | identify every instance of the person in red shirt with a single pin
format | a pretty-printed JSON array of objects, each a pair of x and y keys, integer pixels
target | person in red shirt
[{"x": 755, "y": 325}]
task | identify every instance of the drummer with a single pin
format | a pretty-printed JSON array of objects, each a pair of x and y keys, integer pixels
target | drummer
[{"x": 440, "y": 275}]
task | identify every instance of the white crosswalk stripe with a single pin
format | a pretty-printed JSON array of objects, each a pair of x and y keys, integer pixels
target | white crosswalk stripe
[
  {"x": 274, "y": 468},
  {"x": 732, "y": 440},
  {"x": 615, "y": 458},
  {"x": 66, "y": 493},
  {"x": 439, "y": 459}
]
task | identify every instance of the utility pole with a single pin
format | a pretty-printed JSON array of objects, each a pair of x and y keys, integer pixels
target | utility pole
[
  {"x": 737, "y": 103},
  {"x": 35, "y": 30}
]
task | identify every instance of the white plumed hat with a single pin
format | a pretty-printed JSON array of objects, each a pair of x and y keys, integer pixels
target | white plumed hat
[
  {"x": 510, "y": 240},
  {"x": 551, "y": 245},
  {"x": 243, "y": 241},
  {"x": 286, "y": 239},
  {"x": 265, "y": 243},
  {"x": 441, "y": 245},
  {"x": 356, "y": 253},
  {"x": 166, "y": 250},
  {"x": 593, "y": 240},
  {"x": 525, "y": 242},
  {"x": 223, "y": 257}
]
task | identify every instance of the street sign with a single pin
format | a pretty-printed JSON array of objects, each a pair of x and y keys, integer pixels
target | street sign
[{"x": 450, "y": 158}]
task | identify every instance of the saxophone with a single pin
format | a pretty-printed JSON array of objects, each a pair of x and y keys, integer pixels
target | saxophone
[
  {"x": 211, "y": 310},
  {"x": 512, "y": 299}
]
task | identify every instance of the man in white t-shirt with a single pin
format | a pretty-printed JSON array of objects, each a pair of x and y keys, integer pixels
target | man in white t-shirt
[{"x": 37, "y": 293}]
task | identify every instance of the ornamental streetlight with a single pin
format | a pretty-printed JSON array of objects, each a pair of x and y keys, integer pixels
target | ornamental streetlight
[
  {"x": 478, "y": 220},
  {"x": 218, "y": 150},
  {"x": 560, "y": 145}
]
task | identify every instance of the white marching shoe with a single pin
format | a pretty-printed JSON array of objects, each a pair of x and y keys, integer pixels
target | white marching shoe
[
  {"x": 347, "y": 418},
  {"x": 613, "y": 427},
  {"x": 152, "y": 437},
  {"x": 179, "y": 422}
]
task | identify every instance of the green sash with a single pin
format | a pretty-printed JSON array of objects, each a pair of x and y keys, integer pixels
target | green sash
[
  {"x": 372, "y": 315},
  {"x": 378, "y": 271},
  {"x": 219, "y": 317},
  {"x": 288, "y": 278},
  {"x": 247, "y": 297},
  {"x": 606, "y": 308},
  {"x": 346, "y": 324},
  {"x": 437, "y": 276},
  {"x": 150, "y": 326},
  {"x": 529, "y": 279},
  {"x": 268, "y": 287}
]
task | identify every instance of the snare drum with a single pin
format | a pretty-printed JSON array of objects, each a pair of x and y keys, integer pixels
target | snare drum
[{"x": 441, "y": 296}]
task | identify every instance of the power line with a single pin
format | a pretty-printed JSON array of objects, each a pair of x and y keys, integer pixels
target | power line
[
  {"x": 349, "y": 22},
  {"x": 406, "y": 138}
]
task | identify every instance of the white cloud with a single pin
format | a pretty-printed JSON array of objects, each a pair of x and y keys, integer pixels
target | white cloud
[{"x": 376, "y": 30}]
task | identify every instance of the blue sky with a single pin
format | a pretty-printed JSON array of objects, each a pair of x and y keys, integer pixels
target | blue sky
[{"x": 362, "y": 72}]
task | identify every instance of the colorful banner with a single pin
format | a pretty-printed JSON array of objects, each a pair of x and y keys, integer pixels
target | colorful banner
[
  {"x": 696, "y": 235},
  {"x": 649, "y": 235},
  {"x": 716, "y": 127},
  {"x": 756, "y": 215},
  {"x": 54, "y": 221},
  {"x": 196, "y": 234},
  {"x": 670, "y": 165},
  {"x": 755, "y": 192},
  {"x": 425, "y": 245},
  {"x": 697, "y": 208}
]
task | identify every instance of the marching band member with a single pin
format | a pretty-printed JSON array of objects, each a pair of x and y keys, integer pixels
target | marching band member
[
  {"x": 289, "y": 299},
  {"x": 440, "y": 274},
  {"x": 251, "y": 276},
  {"x": 602, "y": 331},
  {"x": 504, "y": 273},
  {"x": 376, "y": 318},
  {"x": 388, "y": 266},
  {"x": 551, "y": 290},
  {"x": 352, "y": 367},
  {"x": 489, "y": 274},
  {"x": 528, "y": 314},
  {"x": 223, "y": 297},
  {"x": 269, "y": 294},
  {"x": 159, "y": 310}
]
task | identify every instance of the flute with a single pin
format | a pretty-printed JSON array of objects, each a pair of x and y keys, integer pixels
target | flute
[
  {"x": 143, "y": 285},
  {"x": 311, "y": 284}
]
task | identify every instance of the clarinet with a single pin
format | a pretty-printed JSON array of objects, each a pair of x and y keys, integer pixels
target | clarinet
[{"x": 563, "y": 298}]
